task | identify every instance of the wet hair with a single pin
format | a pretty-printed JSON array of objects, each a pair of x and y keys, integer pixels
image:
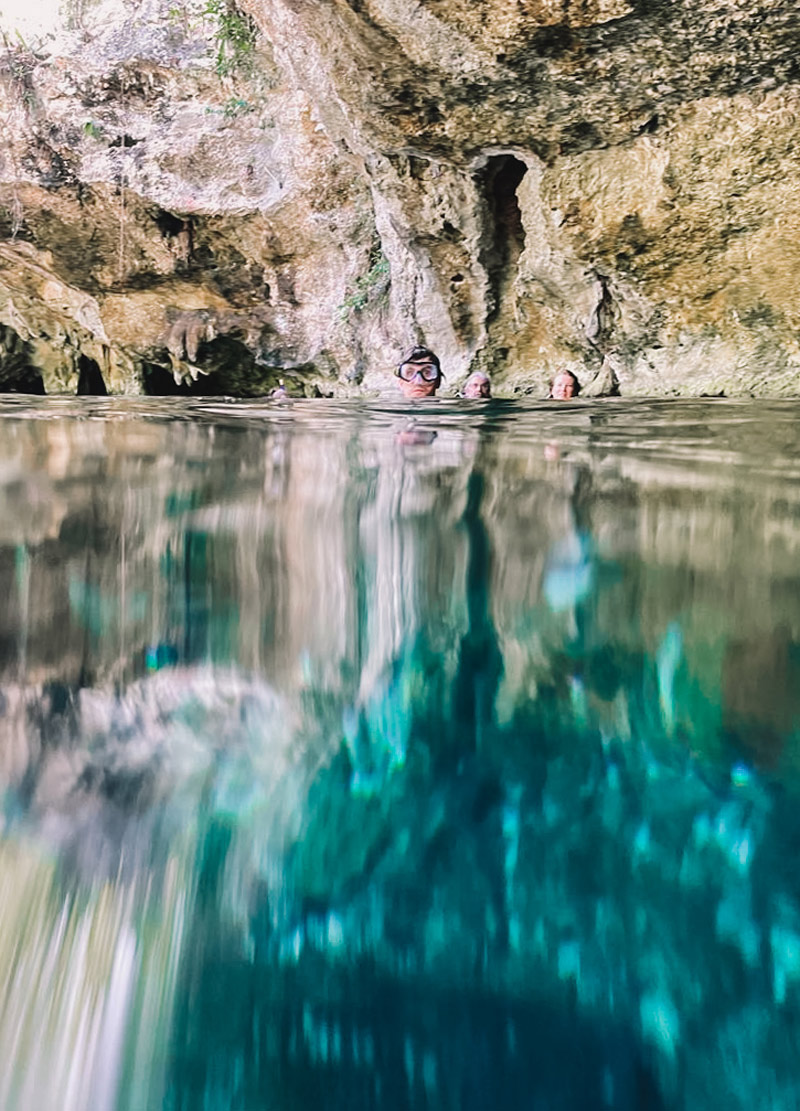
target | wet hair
[{"x": 420, "y": 355}]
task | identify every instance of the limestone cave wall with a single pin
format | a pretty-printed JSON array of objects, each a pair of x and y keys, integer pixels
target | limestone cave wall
[{"x": 205, "y": 197}]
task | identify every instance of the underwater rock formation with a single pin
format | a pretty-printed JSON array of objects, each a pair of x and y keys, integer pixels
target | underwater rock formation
[
  {"x": 494, "y": 789},
  {"x": 203, "y": 198}
]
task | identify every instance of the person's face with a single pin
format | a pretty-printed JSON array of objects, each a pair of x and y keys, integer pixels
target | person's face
[
  {"x": 563, "y": 386},
  {"x": 478, "y": 386},
  {"x": 419, "y": 379}
]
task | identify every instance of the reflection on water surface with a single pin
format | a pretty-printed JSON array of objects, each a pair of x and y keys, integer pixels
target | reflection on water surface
[{"x": 371, "y": 757}]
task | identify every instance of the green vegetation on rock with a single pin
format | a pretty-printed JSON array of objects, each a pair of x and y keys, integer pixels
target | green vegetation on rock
[
  {"x": 368, "y": 288},
  {"x": 234, "y": 35}
]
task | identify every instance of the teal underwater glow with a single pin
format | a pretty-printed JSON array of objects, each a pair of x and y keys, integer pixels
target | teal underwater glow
[{"x": 343, "y": 769}]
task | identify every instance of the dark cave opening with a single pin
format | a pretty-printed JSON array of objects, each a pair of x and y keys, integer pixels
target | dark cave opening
[
  {"x": 17, "y": 372},
  {"x": 158, "y": 381},
  {"x": 26, "y": 380},
  {"x": 90, "y": 379},
  {"x": 227, "y": 369},
  {"x": 168, "y": 223},
  {"x": 505, "y": 239}
]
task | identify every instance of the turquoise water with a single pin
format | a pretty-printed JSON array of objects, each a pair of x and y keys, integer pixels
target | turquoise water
[{"x": 384, "y": 757}]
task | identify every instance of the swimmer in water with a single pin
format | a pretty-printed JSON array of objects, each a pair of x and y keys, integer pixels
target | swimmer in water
[
  {"x": 419, "y": 374},
  {"x": 564, "y": 386},
  {"x": 478, "y": 386}
]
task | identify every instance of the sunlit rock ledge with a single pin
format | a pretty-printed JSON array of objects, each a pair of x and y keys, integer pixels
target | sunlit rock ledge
[{"x": 204, "y": 198}]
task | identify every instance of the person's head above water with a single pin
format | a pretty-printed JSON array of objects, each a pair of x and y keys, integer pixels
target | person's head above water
[
  {"x": 564, "y": 385},
  {"x": 420, "y": 373},
  {"x": 477, "y": 386}
]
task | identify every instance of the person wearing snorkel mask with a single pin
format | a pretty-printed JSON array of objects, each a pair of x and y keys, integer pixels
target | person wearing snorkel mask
[{"x": 419, "y": 374}]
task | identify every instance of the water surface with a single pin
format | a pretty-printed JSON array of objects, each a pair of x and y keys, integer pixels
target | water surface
[{"x": 388, "y": 757}]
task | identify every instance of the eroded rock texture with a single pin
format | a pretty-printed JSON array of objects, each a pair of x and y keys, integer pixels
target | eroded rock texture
[{"x": 605, "y": 184}]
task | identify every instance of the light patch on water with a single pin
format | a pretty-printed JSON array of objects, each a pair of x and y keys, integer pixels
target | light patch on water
[
  {"x": 335, "y": 937},
  {"x": 741, "y": 776},
  {"x": 734, "y": 924},
  {"x": 429, "y": 1074},
  {"x": 785, "y": 945},
  {"x": 80, "y": 987},
  {"x": 641, "y": 842},
  {"x": 409, "y": 1061},
  {"x": 510, "y": 817},
  {"x": 734, "y": 839},
  {"x": 569, "y": 960},
  {"x": 668, "y": 657},
  {"x": 608, "y": 1088},
  {"x": 660, "y": 1022},
  {"x": 570, "y": 574},
  {"x": 111, "y": 1041},
  {"x": 69, "y": 976}
]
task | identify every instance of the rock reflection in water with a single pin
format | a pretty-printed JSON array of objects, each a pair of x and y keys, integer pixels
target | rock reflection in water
[{"x": 342, "y": 768}]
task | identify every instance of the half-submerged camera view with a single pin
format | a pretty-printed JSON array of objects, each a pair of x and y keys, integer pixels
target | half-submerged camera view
[{"x": 354, "y": 759}]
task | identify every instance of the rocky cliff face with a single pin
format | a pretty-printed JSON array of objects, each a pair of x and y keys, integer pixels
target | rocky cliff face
[{"x": 204, "y": 198}]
